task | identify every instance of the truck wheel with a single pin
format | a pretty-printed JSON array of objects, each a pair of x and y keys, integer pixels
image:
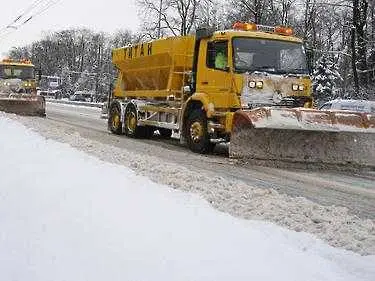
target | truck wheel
[
  {"x": 165, "y": 133},
  {"x": 196, "y": 132},
  {"x": 131, "y": 125},
  {"x": 114, "y": 120}
]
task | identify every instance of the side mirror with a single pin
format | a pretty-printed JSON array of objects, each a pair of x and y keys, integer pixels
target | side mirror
[
  {"x": 39, "y": 71},
  {"x": 186, "y": 89},
  {"x": 309, "y": 58},
  {"x": 227, "y": 68},
  {"x": 204, "y": 32}
]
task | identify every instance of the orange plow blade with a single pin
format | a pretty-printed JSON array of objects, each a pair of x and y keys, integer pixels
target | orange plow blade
[
  {"x": 302, "y": 135},
  {"x": 23, "y": 104}
]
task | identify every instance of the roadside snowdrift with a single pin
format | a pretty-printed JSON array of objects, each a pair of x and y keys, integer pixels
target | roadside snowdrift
[
  {"x": 333, "y": 224},
  {"x": 65, "y": 215}
]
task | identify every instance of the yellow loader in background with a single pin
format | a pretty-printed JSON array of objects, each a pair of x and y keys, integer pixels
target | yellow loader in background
[{"x": 18, "y": 88}]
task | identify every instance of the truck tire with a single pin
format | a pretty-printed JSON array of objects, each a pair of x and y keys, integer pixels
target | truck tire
[
  {"x": 165, "y": 133},
  {"x": 196, "y": 132},
  {"x": 132, "y": 129},
  {"x": 114, "y": 119}
]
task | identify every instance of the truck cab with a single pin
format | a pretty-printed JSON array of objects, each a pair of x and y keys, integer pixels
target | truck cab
[
  {"x": 17, "y": 76},
  {"x": 262, "y": 69}
]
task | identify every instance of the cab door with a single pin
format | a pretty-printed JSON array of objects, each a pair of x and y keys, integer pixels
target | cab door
[{"x": 213, "y": 75}]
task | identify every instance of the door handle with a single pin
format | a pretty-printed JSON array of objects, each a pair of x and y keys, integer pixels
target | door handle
[{"x": 204, "y": 83}]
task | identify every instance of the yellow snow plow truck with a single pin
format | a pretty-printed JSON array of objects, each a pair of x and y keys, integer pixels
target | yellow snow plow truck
[
  {"x": 18, "y": 88},
  {"x": 249, "y": 86}
]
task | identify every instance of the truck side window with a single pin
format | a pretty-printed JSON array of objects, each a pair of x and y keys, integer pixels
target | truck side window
[{"x": 217, "y": 55}]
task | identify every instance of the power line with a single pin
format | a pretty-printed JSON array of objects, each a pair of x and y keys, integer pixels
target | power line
[
  {"x": 28, "y": 9},
  {"x": 18, "y": 18},
  {"x": 37, "y": 8},
  {"x": 46, "y": 7}
]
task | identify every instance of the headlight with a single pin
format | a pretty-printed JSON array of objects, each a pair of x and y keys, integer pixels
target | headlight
[
  {"x": 252, "y": 84},
  {"x": 301, "y": 87},
  {"x": 295, "y": 87},
  {"x": 259, "y": 84}
]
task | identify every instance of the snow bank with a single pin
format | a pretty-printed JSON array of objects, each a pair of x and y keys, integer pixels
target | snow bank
[
  {"x": 333, "y": 224},
  {"x": 76, "y": 103},
  {"x": 65, "y": 215},
  {"x": 92, "y": 112}
]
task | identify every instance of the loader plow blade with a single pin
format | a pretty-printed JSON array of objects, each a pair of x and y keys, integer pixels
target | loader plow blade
[
  {"x": 23, "y": 104},
  {"x": 299, "y": 135}
]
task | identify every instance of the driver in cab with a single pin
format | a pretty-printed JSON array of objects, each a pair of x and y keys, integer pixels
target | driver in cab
[{"x": 221, "y": 60}]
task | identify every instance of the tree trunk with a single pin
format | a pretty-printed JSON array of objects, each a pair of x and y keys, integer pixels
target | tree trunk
[
  {"x": 354, "y": 60},
  {"x": 359, "y": 22}
]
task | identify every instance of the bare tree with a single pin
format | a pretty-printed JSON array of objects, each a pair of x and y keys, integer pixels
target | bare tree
[
  {"x": 175, "y": 17},
  {"x": 257, "y": 11},
  {"x": 76, "y": 54},
  {"x": 212, "y": 13},
  {"x": 360, "y": 73}
]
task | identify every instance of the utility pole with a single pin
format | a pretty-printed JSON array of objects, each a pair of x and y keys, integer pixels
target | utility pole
[{"x": 159, "y": 20}]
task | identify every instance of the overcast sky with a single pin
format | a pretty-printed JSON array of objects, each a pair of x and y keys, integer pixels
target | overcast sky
[{"x": 99, "y": 15}]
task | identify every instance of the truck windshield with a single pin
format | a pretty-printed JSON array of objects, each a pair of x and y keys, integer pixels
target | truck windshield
[
  {"x": 254, "y": 54},
  {"x": 13, "y": 71}
]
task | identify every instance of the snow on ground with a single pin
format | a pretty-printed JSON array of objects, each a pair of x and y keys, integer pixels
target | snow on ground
[
  {"x": 79, "y": 104},
  {"x": 333, "y": 224},
  {"x": 65, "y": 215},
  {"x": 92, "y": 112},
  {"x": 96, "y": 108}
]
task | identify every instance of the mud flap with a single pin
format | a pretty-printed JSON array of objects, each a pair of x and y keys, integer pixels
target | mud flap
[
  {"x": 24, "y": 105},
  {"x": 293, "y": 136}
]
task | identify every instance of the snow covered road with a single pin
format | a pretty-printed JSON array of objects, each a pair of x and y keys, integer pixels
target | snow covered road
[
  {"x": 357, "y": 192},
  {"x": 343, "y": 212},
  {"x": 65, "y": 215}
]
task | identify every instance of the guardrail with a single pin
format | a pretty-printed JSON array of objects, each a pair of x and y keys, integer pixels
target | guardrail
[{"x": 82, "y": 103}]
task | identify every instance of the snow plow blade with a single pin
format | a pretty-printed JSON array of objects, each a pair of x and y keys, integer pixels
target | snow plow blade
[
  {"x": 23, "y": 104},
  {"x": 300, "y": 135}
]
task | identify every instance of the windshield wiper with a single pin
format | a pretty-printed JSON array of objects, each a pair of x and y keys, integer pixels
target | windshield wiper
[
  {"x": 242, "y": 70},
  {"x": 298, "y": 70},
  {"x": 265, "y": 68},
  {"x": 252, "y": 70}
]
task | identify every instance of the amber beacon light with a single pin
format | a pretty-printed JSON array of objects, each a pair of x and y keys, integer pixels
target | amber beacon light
[
  {"x": 245, "y": 26},
  {"x": 284, "y": 30}
]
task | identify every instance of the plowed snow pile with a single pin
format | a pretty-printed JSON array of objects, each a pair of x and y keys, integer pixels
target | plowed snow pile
[
  {"x": 65, "y": 215},
  {"x": 335, "y": 225}
]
